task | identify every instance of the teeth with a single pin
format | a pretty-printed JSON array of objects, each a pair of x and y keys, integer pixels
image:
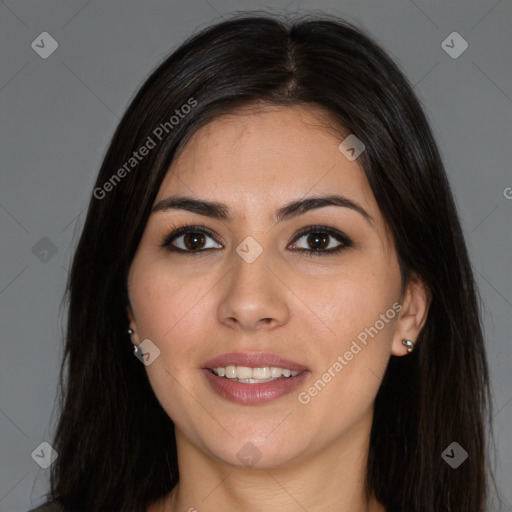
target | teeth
[
  {"x": 253, "y": 375},
  {"x": 242, "y": 372},
  {"x": 275, "y": 372},
  {"x": 231, "y": 372},
  {"x": 260, "y": 373}
]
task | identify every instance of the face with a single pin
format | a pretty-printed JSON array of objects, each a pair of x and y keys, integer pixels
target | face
[{"x": 315, "y": 291}]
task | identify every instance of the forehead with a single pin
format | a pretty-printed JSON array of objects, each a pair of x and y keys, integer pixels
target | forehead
[{"x": 261, "y": 155}]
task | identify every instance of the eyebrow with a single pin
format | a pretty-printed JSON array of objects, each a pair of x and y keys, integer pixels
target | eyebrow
[{"x": 291, "y": 210}]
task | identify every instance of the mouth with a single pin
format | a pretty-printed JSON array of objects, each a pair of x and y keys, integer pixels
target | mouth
[{"x": 253, "y": 378}]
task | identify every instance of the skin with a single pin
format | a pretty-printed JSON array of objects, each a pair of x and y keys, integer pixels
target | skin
[{"x": 308, "y": 309}]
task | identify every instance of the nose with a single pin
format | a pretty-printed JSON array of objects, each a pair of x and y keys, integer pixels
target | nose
[{"x": 254, "y": 296}]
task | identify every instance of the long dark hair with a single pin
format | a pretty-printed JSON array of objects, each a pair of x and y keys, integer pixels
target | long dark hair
[{"x": 115, "y": 442}]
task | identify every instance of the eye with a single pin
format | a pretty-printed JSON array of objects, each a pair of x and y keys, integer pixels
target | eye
[
  {"x": 189, "y": 239},
  {"x": 319, "y": 241}
]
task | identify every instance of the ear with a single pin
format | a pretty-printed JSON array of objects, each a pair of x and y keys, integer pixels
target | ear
[
  {"x": 412, "y": 316},
  {"x": 132, "y": 325}
]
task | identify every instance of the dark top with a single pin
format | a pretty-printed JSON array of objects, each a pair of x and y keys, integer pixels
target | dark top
[{"x": 48, "y": 507}]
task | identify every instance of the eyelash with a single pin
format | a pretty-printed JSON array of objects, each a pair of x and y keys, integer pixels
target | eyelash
[{"x": 345, "y": 241}]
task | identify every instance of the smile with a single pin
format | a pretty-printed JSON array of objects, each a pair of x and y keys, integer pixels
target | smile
[
  {"x": 249, "y": 375},
  {"x": 253, "y": 378}
]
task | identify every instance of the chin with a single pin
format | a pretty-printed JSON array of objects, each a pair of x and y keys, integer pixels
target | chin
[{"x": 256, "y": 452}]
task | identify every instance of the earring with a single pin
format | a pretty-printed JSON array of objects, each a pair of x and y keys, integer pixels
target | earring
[
  {"x": 409, "y": 344},
  {"x": 136, "y": 348}
]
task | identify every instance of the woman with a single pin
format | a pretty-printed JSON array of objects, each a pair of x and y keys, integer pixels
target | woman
[{"x": 273, "y": 232}]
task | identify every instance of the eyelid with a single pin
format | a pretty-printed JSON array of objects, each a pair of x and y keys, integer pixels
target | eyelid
[
  {"x": 317, "y": 228},
  {"x": 178, "y": 230}
]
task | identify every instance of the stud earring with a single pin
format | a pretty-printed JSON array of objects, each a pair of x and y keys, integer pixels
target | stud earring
[
  {"x": 409, "y": 344},
  {"x": 136, "y": 348}
]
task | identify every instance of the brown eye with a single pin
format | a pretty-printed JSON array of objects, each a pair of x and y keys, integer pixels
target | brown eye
[
  {"x": 194, "y": 241},
  {"x": 318, "y": 241},
  {"x": 190, "y": 239},
  {"x": 321, "y": 241}
]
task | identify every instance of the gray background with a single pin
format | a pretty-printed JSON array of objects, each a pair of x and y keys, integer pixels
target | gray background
[{"x": 59, "y": 113}]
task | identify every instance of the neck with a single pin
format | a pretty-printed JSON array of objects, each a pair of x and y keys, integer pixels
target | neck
[{"x": 331, "y": 479}]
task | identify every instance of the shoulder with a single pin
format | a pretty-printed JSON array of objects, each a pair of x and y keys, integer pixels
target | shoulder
[{"x": 48, "y": 507}]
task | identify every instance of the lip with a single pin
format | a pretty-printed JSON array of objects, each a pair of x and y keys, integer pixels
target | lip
[
  {"x": 253, "y": 360},
  {"x": 253, "y": 394}
]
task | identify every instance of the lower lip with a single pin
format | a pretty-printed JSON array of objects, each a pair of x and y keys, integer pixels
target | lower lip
[{"x": 253, "y": 394}]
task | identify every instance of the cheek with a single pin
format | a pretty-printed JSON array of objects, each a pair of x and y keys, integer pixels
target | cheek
[
  {"x": 166, "y": 309},
  {"x": 171, "y": 309},
  {"x": 163, "y": 301},
  {"x": 352, "y": 301},
  {"x": 357, "y": 306},
  {"x": 360, "y": 308}
]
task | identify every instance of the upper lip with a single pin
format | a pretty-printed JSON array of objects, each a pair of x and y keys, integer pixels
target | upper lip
[{"x": 253, "y": 360}]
